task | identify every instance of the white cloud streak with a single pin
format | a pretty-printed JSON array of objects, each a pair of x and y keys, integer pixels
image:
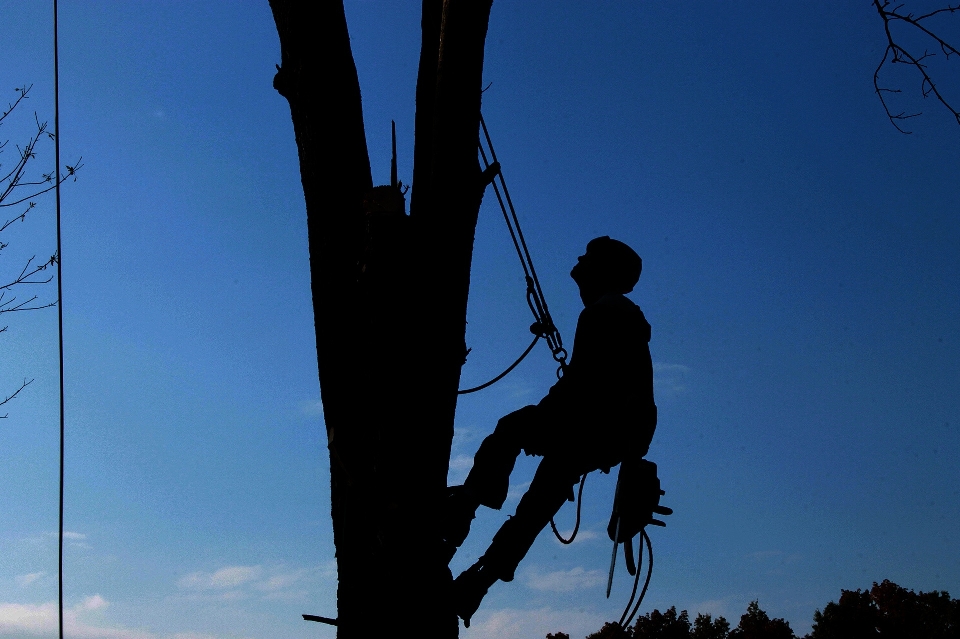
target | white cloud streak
[
  {"x": 497, "y": 624},
  {"x": 312, "y": 408},
  {"x": 458, "y": 469},
  {"x": 25, "y": 580},
  {"x": 516, "y": 491},
  {"x": 232, "y": 583},
  {"x": 582, "y": 535},
  {"x": 669, "y": 378},
  {"x": 40, "y": 621},
  {"x": 660, "y": 367},
  {"x": 565, "y": 580},
  {"x": 223, "y": 579}
]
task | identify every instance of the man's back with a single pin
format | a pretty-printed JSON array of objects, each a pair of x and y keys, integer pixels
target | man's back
[{"x": 609, "y": 381}]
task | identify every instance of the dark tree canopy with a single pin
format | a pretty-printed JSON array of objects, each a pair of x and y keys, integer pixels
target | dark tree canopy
[
  {"x": 888, "y": 611},
  {"x": 885, "y": 611}
]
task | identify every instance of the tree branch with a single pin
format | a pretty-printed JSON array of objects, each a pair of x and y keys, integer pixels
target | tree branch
[
  {"x": 902, "y": 55},
  {"x": 25, "y": 383}
]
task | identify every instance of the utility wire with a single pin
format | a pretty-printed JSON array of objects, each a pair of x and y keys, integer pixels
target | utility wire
[{"x": 56, "y": 142}]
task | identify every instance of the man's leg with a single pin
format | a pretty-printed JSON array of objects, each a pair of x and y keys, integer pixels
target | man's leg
[
  {"x": 548, "y": 491},
  {"x": 489, "y": 479}
]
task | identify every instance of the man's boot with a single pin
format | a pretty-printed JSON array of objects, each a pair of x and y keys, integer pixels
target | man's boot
[
  {"x": 470, "y": 588},
  {"x": 459, "y": 510}
]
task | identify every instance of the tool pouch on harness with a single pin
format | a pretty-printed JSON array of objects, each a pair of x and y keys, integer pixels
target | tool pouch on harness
[{"x": 636, "y": 502}]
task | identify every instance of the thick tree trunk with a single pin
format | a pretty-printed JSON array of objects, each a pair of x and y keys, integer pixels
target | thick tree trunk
[{"x": 390, "y": 297}]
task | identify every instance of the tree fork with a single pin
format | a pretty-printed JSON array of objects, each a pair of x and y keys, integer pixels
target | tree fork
[{"x": 389, "y": 422}]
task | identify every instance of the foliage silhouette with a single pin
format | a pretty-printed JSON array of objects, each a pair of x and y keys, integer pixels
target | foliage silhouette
[
  {"x": 886, "y": 611},
  {"x": 755, "y": 624}
]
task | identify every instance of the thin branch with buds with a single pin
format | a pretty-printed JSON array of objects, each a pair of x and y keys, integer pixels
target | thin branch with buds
[
  {"x": 19, "y": 187},
  {"x": 25, "y": 383}
]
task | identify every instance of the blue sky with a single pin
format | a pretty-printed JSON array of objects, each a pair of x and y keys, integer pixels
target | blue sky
[{"x": 801, "y": 269}]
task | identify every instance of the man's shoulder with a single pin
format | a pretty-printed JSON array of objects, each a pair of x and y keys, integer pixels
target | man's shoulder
[
  {"x": 614, "y": 303},
  {"x": 616, "y": 309}
]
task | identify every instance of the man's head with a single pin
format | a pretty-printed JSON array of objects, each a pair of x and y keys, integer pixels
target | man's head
[{"x": 608, "y": 266}]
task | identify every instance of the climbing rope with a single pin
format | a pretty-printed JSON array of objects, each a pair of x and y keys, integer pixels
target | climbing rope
[
  {"x": 535, "y": 299},
  {"x": 543, "y": 326},
  {"x": 504, "y": 373},
  {"x": 576, "y": 526},
  {"x": 624, "y": 619}
]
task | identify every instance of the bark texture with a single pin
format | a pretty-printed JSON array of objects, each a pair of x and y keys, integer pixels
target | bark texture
[{"x": 390, "y": 297}]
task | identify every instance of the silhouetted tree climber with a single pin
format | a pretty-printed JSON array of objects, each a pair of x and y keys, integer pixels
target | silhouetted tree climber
[
  {"x": 599, "y": 414},
  {"x": 388, "y": 377}
]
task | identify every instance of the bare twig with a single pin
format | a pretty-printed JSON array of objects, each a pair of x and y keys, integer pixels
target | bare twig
[
  {"x": 22, "y": 91},
  {"x": 20, "y": 185},
  {"x": 26, "y": 273},
  {"x": 895, "y": 53},
  {"x": 25, "y": 383}
]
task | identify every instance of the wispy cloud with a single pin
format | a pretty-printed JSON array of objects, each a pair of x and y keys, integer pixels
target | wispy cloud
[
  {"x": 669, "y": 378},
  {"x": 25, "y": 580},
  {"x": 74, "y": 539},
  {"x": 232, "y": 583},
  {"x": 460, "y": 465},
  {"x": 660, "y": 367},
  {"x": 225, "y": 578},
  {"x": 565, "y": 580},
  {"x": 726, "y": 607},
  {"x": 42, "y": 620},
  {"x": 312, "y": 408},
  {"x": 96, "y": 602},
  {"x": 465, "y": 439},
  {"x": 496, "y": 624},
  {"x": 516, "y": 491},
  {"x": 521, "y": 391},
  {"x": 582, "y": 535},
  {"x": 85, "y": 620}
]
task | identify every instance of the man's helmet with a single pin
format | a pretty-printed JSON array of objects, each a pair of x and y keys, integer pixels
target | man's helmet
[{"x": 612, "y": 263}]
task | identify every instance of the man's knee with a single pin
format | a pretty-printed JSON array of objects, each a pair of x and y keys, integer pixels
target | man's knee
[{"x": 519, "y": 421}]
